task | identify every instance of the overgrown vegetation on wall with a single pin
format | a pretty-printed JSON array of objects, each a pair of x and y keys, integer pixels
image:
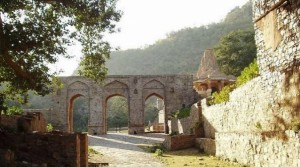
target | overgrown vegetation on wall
[
  {"x": 247, "y": 74},
  {"x": 182, "y": 113}
]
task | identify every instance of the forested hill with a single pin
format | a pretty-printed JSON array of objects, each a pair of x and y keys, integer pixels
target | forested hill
[{"x": 181, "y": 51}]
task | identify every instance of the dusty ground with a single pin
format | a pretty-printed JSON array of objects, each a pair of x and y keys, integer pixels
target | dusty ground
[
  {"x": 119, "y": 149},
  {"x": 192, "y": 157}
]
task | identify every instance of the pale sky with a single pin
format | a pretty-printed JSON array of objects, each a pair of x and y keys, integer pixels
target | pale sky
[{"x": 146, "y": 21}]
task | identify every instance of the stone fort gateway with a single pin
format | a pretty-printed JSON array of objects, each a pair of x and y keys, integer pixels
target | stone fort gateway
[{"x": 175, "y": 90}]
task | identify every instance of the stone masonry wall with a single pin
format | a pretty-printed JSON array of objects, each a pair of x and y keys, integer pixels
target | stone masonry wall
[
  {"x": 28, "y": 123},
  {"x": 260, "y": 149},
  {"x": 270, "y": 102},
  {"x": 51, "y": 149},
  {"x": 272, "y": 99}
]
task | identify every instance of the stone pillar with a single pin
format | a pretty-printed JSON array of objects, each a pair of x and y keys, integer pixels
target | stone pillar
[
  {"x": 96, "y": 115},
  {"x": 209, "y": 90},
  {"x": 136, "y": 110}
]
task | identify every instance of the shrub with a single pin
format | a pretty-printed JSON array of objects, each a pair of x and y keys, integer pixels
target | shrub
[
  {"x": 49, "y": 128},
  {"x": 222, "y": 96},
  {"x": 159, "y": 152},
  {"x": 258, "y": 125},
  {"x": 247, "y": 74},
  {"x": 14, "y": 110},
  {"x": 295, "y": 125},
  {"x": 155, "y": 147},
  {"x": 92, "y": 151},
  {"x": 182, "y": 113},
  {"x": 174, "y": 133}
]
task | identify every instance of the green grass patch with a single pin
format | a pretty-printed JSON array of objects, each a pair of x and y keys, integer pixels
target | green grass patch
[
  {"x": 192, "y": 157},
  {"x": 158, "y": 149},
  {"x": 92, "y": 151}
]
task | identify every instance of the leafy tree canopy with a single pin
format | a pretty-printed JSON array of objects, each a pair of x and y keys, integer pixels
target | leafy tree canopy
[
  {"x": 34, "y": 33},
  {"x": 236, "y": 51}
]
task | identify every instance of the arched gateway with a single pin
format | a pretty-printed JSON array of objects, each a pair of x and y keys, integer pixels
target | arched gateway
[{"x": 175, "y": 90}]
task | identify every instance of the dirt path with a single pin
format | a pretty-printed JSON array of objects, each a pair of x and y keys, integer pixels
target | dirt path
[{"x": 121, "y": 149}]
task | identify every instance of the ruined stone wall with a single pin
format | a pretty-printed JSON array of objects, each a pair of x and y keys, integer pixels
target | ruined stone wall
[
  {"x": 28, "y": 123},
  {"x": 45, "y": 112},
  {"x": 268, "y": 103},
  {"x": 179, "y": 142},
  {"x": 51, "y": 149}
]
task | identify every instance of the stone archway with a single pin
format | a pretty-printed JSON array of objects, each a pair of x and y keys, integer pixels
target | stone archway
[
  {"x": 155, "y": 113},
  {"x": 112, "y": 89},
  {"x": 119, "y": 114},
  {"x": 175, "y": 90},
  {"x": 75, "y": 90}
]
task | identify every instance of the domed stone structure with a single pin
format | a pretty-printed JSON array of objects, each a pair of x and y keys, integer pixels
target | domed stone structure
[{"x": 209, "y": 77}]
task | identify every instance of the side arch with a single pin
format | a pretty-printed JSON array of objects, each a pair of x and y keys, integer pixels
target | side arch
[
  {"x": 70, "y": 111},
  {"x": 74, "y": 90}
]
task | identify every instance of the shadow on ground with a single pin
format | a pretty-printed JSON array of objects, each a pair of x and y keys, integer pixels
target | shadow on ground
[{"x": 125, "y": 141}]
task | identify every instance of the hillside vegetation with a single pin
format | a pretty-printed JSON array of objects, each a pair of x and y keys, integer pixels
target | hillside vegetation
[{"x": 181, "y": 51}]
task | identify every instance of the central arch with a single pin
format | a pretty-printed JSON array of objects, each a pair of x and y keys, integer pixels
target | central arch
[
  {"x": 116, "y": 113},
  {"x": 114, "y": 89}
]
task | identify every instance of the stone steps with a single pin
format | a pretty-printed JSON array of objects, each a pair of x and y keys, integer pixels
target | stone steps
[{"x": 206, "y": 145}]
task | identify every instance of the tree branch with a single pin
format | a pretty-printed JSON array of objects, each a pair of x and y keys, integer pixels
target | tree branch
[{"x": 7, "y": 59}]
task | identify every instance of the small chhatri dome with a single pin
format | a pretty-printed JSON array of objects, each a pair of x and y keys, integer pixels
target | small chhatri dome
[{"x": 209, "y": 67}]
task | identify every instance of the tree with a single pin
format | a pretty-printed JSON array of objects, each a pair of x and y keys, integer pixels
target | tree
[
  {"x": 236, "y": 51},
  {"x": 34, "y": 33},
  {"x": 117, "y": 113}
]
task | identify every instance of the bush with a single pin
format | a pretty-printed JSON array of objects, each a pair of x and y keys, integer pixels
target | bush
[
  {"x": 247, "y": 74},
  {"x": 92, "y": 151},
  {"x": 174, "y": 133},
  {"x": 49, "y": 128},
  {"x": 182, "y": 113},
  {"x": 14, "y": 110},
  {"x": 154, "y": 148},
  {"x": 222, "y": 96},
  {"x": 295, "y": 125},
  {"x": 159, "y": 152}
]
